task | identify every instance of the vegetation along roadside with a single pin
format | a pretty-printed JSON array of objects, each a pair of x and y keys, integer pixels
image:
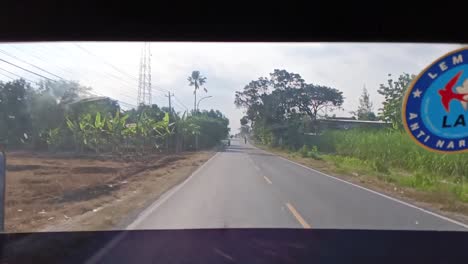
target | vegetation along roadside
[{"x": 290, "y": 117}]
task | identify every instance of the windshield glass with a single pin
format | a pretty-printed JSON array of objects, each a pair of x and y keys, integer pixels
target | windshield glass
[{"x": 168, "y": 135}]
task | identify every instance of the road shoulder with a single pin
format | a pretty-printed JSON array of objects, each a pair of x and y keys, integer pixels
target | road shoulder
[
  {"x": 447, "y": 207},
  {"x": 151, "y": 191}
]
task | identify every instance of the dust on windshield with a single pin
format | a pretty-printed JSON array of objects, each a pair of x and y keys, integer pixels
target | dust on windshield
[{"x": 117, "y": 135}]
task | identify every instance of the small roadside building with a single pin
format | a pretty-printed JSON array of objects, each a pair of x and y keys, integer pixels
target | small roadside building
[{"x": 349, "y": 123}]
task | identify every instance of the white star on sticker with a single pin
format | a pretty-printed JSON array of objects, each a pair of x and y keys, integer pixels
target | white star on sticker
[{"x": 417, "y": 93}]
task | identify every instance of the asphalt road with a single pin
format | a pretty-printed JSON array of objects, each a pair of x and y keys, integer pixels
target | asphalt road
[{"x": 245, "y": 187}]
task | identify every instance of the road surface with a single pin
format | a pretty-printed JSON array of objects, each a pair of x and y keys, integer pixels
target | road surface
[{"x": 245, "y": 187}]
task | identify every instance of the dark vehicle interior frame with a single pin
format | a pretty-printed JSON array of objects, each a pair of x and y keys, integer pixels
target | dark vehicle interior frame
[{"x": 56, "y": 21}]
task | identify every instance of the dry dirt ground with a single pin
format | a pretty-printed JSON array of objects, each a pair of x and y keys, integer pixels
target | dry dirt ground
[{"x": 47, "y": 192}]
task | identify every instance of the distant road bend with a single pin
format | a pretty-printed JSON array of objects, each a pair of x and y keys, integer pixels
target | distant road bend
[{"x": 245, "y": 187}]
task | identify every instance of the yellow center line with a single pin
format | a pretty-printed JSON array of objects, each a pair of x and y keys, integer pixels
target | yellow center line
[
  {"x": 267, "y": 180},
  {"x": 297, "y": 216}
]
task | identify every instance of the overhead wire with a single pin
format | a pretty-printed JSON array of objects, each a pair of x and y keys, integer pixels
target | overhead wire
[
  {"x": 180, "y": 103},
  {"x": 106, "y": 76},
  {"x": 11, "y": 78},
  {"x": 109, "y": 64},
  {"x": 68, "y": 71},
  {"x": 120, "y": 101},
  {"x": 21, "y": 77},
  {"x": 14, "y": 74},
  {"x": 110, "y": 74},
  {"x": 30, "y": 64},
  {"x": 12, "y": 64},
  {"x": 34, "y": 55},
  {"x": 154, "y": 89}
]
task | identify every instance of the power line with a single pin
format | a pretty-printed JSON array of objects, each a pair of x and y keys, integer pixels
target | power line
[
  {"x": 49, "y": 78},
  {"x": 160, "y": 89},
  {"x": 14, "y": 74},
  {"x": 106, "y": 76},
  {"x": 120, "y": 101},
  {"x": 30, "y": 64},
  {"x": 180, "y": 107},
  {"x": 7, "y": 76},
  {"x": 182, "y": 104},
  {"x": 63, "y": 69},
  {"x": 21, "y": 77},
  {"x": 26, "y": 70},
  {"x": 109, "y": 64},
  {"x": 114, "y": 76},
  {"x": 67, "y": 53}
]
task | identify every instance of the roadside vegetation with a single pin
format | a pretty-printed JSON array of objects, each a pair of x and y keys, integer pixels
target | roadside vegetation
[
  {"x": 277, "y": 119},
  {"x": 392, "y": 157},
  {"x": 77, "y": 161},
  {"x": 63, "y": 116}
]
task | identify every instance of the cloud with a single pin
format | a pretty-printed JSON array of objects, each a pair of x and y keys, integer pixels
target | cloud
[{"x": 227, "y": 66}]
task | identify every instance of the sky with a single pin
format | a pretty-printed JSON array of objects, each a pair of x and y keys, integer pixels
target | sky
[{"x": 112, "y": 68}]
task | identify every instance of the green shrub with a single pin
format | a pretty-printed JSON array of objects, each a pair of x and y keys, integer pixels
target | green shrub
[
  {"x": 303, "y": 151},
  {"x": 313, "y": 153},
  {"x": 380, "y": 166}
]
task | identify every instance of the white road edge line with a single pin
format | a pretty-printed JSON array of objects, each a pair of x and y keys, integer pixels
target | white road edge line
[
  {"x": 97, "y": 257},
  {"x": 166, "y": 196},
  {"x": 267, "y": 180},
  {"x": 380, "y": 194}
]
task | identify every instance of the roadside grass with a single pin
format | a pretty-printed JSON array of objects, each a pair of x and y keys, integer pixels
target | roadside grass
[
  {"x": 391, "y": 149},
  {"x": 451, "y": 187}
]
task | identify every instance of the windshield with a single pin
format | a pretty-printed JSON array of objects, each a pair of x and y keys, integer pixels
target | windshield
[{"x": 169, "y": 135}]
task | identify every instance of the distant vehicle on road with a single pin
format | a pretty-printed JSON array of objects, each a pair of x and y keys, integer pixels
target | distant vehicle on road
[{"x": 226, "y": 142}]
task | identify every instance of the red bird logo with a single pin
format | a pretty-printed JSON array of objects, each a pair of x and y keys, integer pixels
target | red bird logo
[{"x": 448, "y": 95}]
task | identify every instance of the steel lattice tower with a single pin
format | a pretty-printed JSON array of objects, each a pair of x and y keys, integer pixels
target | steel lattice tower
[{"x": 144, "y": 78}]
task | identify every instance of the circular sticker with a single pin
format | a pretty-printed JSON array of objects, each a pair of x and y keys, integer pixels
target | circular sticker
[{"x": 435, "y": 107}]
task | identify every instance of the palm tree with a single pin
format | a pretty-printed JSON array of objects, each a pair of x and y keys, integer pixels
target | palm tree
[{"x": 196, "y": 80}]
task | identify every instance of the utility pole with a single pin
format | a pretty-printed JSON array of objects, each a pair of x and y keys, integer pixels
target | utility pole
[
  {"x": 170, "y": 105},
  {"x": 168, "y": 139}
]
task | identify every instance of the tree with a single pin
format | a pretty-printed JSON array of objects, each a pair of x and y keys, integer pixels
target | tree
[
  {"x": 45, "y": 115},
  {"x": 196, "y": 80},
  {"x": 277, "y": 105},
  {"x": 15, "y": 120},
  {"x": 64, "y": 91},
  {"x": 244, "y": 121},
  {"x": 314, "y": 98},
  {"x": 365, "y": 111},
  {"x": 253, "y": 96},
  {"x": 393, "y": 94},
  {"x": 250, "y": 97}
]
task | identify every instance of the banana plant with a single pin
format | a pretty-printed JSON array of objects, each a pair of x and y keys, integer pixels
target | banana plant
[
  {"x": 98, "y": 132},
  {"x": 76, "y": 129},
  {"x": 52, "y": 137},
  {"x": 115, "y": 128},
  {"x": 89, "y": 130},
  {"x": 183, "y": 129},
  {"x": 162, "y": 130}
]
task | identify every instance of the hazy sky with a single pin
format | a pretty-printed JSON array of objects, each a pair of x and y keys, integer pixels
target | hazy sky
[{"x": 112, "y": 68}]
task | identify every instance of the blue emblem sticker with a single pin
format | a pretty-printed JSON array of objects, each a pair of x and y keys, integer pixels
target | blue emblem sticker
[{"x": 435, "y": 107}]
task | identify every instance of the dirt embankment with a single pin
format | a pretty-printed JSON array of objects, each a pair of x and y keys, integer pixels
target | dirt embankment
[{"x": 68, "y": 192}]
